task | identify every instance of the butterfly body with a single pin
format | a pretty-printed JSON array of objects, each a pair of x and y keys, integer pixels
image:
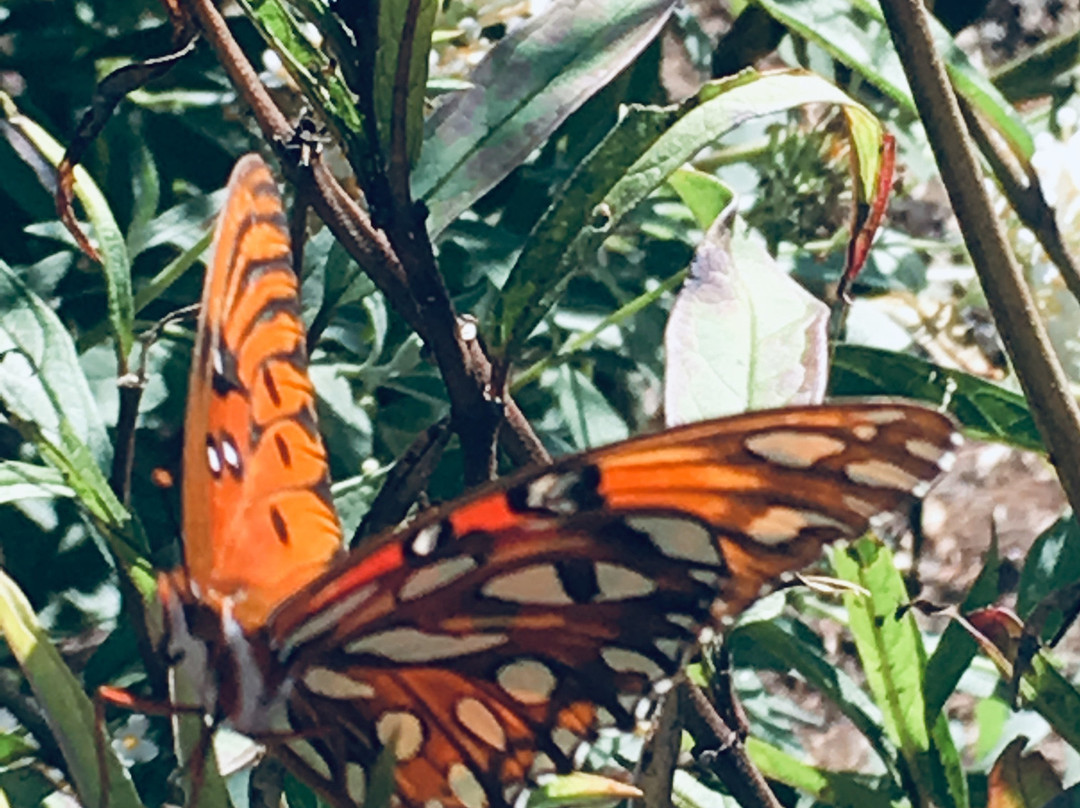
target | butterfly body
[{"x": 484, "y": 642}]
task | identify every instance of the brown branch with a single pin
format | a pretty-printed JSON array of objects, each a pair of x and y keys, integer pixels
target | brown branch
[
  {"x": 419, "y": 296},
  {"x": 722, "y": 750},
  {"x": 1045, "y": 386},
  {"x": 1024, "y": 192}
]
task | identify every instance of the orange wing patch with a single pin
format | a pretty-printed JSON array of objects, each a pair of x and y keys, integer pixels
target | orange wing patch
[{"x": 258, "y": 520}]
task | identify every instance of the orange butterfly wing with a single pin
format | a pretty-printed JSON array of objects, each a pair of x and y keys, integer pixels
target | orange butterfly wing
[
  {"x": 258, "y": 520},
  {"x": 491, "y": 638}
]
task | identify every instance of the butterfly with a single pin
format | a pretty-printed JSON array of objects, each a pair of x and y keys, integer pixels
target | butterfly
[{"x": 485, "y": 641}]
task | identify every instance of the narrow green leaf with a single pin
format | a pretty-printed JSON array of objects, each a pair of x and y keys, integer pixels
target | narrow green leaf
[
  {"x": 392, "y": 27},
  {"x": 894, "y": 659},
  {"x": 312, "y": 68},
  {"x": 985, "y": 410},
  {"x": 840, "y": 789},
  {"x": 40, "y": 377},
  {"x": 115, "y": 261},
  {"x": 526, "y": 86},
  {"x": 854, "y": 34},
  {"x": 68, "y": 711},
  {"x": 783, "y": 645},
  {"x": 543, "y": 269},
  {"x": 957, "y": 648},
  {"x": 26, "y": 481},
  {"x": 581, "y": 789}
]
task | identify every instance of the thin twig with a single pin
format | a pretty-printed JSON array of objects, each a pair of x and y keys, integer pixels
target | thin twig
[
  {"x": 1044, "y": 383},
  {"x": 1025, "y": 195},
  {"x": 723, "y": 751}
]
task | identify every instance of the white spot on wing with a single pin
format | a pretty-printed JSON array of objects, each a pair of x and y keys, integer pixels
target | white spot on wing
[
  {"x": 356, "y": 782},
  {"x": 213, "y": 460},
  {"x": 539, "y": 583},
  {"x": 404, "y": 731},
  {"x": 617, "y": 582},
  {"x": 527, "y": 681},
  {"x": 435, "y": 576},
  {"x": 669, "y": 647},
  {"x": 924, "y": 449},
  {"x": 335, "y": 685},
  {"x": 565, "y": 741},
  {"x": 683, "y": 539},
  {"x": 466, "y": 787},
  {"x": 797, "y": 450},
  {"x": 884, "y": 416},
  {"x": 859, "y": 505},
  {"x": 475, "y": 716},
  {"x": 779, "y": 524},
  {"x": 881, "y": 474},
  {"x": 426, "y": 539},
  {"x": 683, "y": 621},
  {"x": 623, "y": 660},
  {"x": 326, "y": 619},
  {"x": 865, "y": 432},
  {"x": 230, "y": 452},
  {"x": 413, "y": 645},
  {"x": 307, "y": 753}
]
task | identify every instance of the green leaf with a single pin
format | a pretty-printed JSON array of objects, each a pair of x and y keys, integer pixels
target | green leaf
[
  {"x": 312, "y": 68},
  {"x": 40, "y": 377},
  {"x": 26, "y": 481},
  {"x": 839, "y": 789},
  {"x": 392, "y": 28},
  {"x": 894, "y": 659},
  {"x": 592, "y": 420},
  {"x": 783, "y": 645},
  {"x": 535, "y": 282},
  {"x": 703, "y": 193},
  {"x": 115, "y": 261},
  {"x": 986, "y": 411},
  {"x": 1052, "y": 563},
  {"x": 581, "y": 789},
  {"x": 742, "y": 334},
  {"x": 853, "y": 32},
  {"x": 523, "y": 90},
  {"x": 957, "y": 648},
  {"x": 68, "y": 711},
  {"x": 544, "y": 266}
]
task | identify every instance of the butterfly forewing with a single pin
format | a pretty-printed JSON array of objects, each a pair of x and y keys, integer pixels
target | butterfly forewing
[
  {"x": 494, "y": 636},
  {"x": 257, "y": 519}
]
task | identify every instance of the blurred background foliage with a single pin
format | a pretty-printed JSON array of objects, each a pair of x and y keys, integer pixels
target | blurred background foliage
[{"x": 164, "y": 155}]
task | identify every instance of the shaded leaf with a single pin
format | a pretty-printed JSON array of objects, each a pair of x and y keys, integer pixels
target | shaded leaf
[
  {"x": 1017, "y": 780},
  {"x": 68, "y": 711},
  {"x": 742, "y": 334},
  {"x": 526, "y": 86}
]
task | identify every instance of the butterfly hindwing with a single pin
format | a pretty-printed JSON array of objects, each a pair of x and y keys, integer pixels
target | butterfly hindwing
[
  {"x": 483, "y": 643},
  {"x": 492, "y": 637}
]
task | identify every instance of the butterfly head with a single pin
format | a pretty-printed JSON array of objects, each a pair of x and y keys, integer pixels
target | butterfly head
[{"x": 218, "y": 661}]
